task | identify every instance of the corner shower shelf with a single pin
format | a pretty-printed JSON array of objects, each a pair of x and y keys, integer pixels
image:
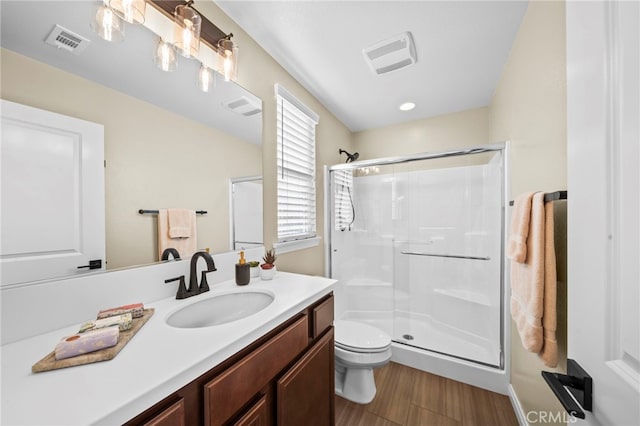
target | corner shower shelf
[{"x": 466, "y": 295}]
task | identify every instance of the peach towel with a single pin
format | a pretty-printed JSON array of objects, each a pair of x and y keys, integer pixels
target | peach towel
[
  {"x": 520, "y": 216},
  {"x": 185, "y": 246},
  {"x": 181, "y": 222},
  {"x": 533, "y": 285}
]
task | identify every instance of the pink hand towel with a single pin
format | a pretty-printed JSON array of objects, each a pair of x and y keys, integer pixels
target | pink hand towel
[
  {"x": 549, "y": 351},
  {"x": 181, "y": 222},
  {"x": 185, "y": 246},
  {"x": 520, "y": 216},
  {"x": 533, "y": 285}
]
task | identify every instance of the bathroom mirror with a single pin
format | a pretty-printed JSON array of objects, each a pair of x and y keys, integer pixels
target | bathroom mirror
[{"x": 167, "y": 143}]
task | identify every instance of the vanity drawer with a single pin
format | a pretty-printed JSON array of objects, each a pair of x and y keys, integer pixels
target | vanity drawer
[
  {"x": 172, "y": 416},
  {"x": 321, "y": 316},
  {"x": 227, "y": 393}
]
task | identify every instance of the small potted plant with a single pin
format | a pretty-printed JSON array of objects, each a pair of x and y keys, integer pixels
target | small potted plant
[
  {"x": 254, "y": 268},
  {"x": 268, "y": 268}
]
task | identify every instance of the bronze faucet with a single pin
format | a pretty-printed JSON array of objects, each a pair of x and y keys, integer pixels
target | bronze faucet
[{"x": 195, "y": 288}]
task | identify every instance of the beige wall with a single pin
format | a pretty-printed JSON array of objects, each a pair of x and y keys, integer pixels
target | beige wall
[
  {"x": 258, "y": 72},
  {"x": 450, "y": 131},
  {"x": 146, "y": 148},
  {"x": 529, "y": 108}
]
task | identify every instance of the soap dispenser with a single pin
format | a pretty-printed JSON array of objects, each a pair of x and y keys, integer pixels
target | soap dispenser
[{"x": 243, "y": 274}]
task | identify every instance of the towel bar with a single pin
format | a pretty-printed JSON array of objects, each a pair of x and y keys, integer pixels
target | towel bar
[
  {"x": 551, "y": 196},
  {"x": 142, "y": 211}
]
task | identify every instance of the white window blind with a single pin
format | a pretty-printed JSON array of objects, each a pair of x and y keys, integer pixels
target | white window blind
[{"x": 296, "y": 140}]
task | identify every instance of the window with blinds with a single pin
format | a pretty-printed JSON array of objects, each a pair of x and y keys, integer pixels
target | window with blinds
[{"x": 296, "y": 140}]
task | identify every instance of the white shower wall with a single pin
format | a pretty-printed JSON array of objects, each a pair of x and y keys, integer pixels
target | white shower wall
[{"x": 391, "y": 267}]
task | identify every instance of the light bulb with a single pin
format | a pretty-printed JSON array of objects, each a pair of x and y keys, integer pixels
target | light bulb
[
  {"x": 132, "y": 11},
  {"x": 187, "y": 30},
  {"x": 165, "y": 56},
  {"x": 186, "y": 38},
  {"x": 205, "y": 78},
  {"x": 228, "y": 65},
  {"x": 228, "y": 58},
  {"x": 108, "y": 25}
]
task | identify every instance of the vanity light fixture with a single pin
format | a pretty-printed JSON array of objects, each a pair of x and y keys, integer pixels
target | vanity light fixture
[
  {"x": 187, "y": 30},
  {"x": 220, "y": 53},
  {"x": 165, "y": 57},
  {"x": 107, "y": 24},
  {"x": 228, "y": 54},
  {"x": 407, "y": 106},
  {"x": 206, "y": 78},
  {"x": 131, "y": 11}
]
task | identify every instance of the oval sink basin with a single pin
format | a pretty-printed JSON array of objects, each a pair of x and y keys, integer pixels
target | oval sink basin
[{"x": 220, "y": 309}]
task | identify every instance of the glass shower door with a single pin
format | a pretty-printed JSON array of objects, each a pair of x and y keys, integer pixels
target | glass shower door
[{"x": 447, "y": 256}]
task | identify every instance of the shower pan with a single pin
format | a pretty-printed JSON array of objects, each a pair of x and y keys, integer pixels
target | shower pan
[{"x": 416, "y": 244}]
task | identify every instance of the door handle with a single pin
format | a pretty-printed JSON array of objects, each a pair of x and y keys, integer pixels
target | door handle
[
  {"x": 575, "y": 384},
  {"x": 93, "y": 264}
]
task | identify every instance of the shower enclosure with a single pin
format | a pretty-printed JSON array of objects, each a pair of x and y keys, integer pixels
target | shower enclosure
[{"x": 416, "y": 244}]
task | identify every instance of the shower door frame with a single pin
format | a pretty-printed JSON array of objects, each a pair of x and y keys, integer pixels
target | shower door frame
[{"x": 503, "y": 148}]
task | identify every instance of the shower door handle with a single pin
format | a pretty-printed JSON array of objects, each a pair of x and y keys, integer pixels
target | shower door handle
[{"x": 451, "y": 256}]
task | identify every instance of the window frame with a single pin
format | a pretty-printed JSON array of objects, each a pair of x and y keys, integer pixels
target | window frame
[{"x": 294, "y": 116}]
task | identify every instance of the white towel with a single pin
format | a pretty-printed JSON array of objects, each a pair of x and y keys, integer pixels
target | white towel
[{"x": 185, "y": 246}]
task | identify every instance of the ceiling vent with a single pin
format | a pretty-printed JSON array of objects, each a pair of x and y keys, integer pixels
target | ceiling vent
[
  {"x": 62, "y": 38},
  {"x": 243, "y": 105},
  {"x": 391, "y": 54}
]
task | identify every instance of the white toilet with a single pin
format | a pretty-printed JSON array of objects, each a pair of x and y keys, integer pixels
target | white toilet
[{"x": 359, "y": 348}]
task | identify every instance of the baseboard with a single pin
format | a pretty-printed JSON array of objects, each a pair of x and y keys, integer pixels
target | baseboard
[{"x": 517, "y": 408}]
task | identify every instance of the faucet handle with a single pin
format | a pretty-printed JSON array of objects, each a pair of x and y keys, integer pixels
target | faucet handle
[
  {"x": 182, "y": 288},
  {"x": 204, "y": 286}
]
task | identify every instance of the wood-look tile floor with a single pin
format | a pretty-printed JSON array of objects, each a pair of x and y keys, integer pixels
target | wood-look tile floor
[{"x": 409, "y": 397}]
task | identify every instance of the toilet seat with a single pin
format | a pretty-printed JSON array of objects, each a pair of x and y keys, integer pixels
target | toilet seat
[{"x": 359, "y": 337}]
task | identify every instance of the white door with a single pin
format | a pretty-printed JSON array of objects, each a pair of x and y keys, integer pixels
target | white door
[
  {"x": 603, "y": 215},
  {"x": 246, "y": 212},
  {"x": 52, "y": 194}
]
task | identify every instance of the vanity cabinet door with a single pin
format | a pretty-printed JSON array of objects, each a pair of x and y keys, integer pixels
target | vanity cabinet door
[
  {"x": 172, "y": 416},
  {"x": 256, "y": 416},
  {"x": 305, "y": 392}
]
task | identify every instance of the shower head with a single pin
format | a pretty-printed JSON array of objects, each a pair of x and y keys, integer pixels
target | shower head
[{"x": 350, "y": 157}]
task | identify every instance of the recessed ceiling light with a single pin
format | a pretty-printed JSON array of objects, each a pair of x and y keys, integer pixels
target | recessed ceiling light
[{"x": 407, "y": 106}]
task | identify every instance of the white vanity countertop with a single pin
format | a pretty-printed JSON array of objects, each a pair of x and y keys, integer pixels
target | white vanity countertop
[{"x": 158, "y": 360}]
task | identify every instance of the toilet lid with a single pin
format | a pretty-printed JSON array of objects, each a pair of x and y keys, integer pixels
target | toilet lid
[{"x": 360, "y": 336}]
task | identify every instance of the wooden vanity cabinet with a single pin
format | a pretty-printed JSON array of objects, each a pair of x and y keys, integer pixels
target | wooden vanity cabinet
[{"x": 285, "y": 378}]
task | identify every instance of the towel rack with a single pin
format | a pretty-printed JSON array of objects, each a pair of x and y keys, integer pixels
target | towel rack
[
  {"x": 551, "y": 196},
  {"x": 142, "y": 211}
]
